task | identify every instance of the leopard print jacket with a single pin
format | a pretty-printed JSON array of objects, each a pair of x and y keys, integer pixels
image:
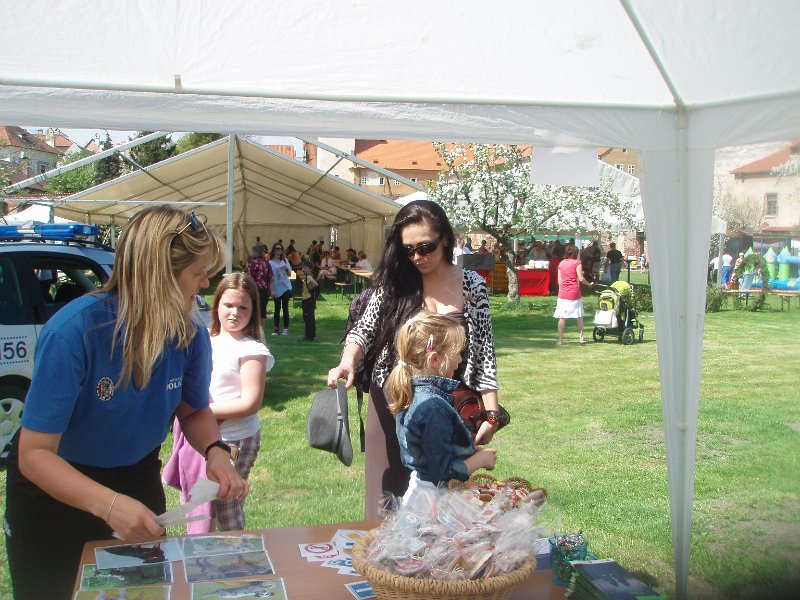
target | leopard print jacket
[{"x": 481, "y": 368}]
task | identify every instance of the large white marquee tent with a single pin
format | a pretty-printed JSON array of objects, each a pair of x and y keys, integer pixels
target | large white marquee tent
[
  {"x": 272, "y": 196},
  {"x": 674, "y": 80}
]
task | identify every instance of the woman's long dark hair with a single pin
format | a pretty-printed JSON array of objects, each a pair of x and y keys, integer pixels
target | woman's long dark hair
[{"x": 400, "y": 279}]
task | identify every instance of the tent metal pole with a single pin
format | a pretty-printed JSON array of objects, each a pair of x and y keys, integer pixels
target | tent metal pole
[
  {"x": 84, "y": 161},
  {"x": 363, "y": 163},
  {"x": 229, "y": 212}
]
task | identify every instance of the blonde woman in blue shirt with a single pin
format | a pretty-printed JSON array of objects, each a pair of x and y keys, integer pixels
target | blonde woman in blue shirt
[{"x": 111, "y": 369}]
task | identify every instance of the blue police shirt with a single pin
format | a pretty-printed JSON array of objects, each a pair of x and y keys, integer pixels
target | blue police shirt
[{"x": 74, "y": 389}]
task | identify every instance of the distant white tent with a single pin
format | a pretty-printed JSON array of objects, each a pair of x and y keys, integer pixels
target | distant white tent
[
  {"x": 272, "y": 196},
  {"x": 36, "y": 214}
]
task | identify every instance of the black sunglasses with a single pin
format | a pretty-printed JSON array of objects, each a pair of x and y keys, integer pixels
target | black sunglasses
[
  {"x": 195, "y": 223},
  {"x": 422, "y": 249}
]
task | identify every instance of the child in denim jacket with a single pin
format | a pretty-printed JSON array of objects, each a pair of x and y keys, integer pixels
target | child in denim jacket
[{"x": 434, "y": 442}]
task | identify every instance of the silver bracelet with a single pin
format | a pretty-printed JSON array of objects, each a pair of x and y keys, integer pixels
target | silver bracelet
[{"x": 113, "y": 502}]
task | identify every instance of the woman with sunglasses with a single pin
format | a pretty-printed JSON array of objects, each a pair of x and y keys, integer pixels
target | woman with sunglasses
[
  {"x": 281, "y": 288},
  {"x": 416, "y": 272},
  {"x": 111, "y": 369}
]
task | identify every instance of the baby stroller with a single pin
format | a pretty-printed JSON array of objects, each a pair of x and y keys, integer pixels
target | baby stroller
[{"x": 615, "y": 315}]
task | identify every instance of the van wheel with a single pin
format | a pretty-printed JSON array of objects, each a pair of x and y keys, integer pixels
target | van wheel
[{"x": 12, "y": 401}]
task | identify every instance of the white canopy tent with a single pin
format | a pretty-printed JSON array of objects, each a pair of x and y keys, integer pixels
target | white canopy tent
[
  {"x": 674, "y": 80},
  {"x": 36, "y": 214},
  {"x": 273, "y": 196}
]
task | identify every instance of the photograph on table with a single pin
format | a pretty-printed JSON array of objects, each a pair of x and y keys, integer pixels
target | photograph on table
[
  {"x": 243, "y": 588},
  {"x": 212, "y": 545},
  {"x": 161, "y": 592},
  {"x": 93, "y": 578},
  {"x": 227, "y": 566},
  {"x": 135, "y": 555}
]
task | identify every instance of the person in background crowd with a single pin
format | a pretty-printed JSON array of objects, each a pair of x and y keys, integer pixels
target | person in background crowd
[
  {"x": 352, "y": 257},
  {"x": 468, "y": 247},
  {"x": 111, "y": 369},
  {"x": 260, "y": 245},
  {"x": 739, "y": 261},
  {"x": 458, "y": 250},
  {"x": 281, "y": 288},
  {"x": 336, "y": 254},
  {"x": 294, "y": 258},
  {"x": 363, "y": 263},
  {"x": 258, "y": 268},
  {"x": 713, "y": 265},
  {"x": 309, "y": 303},
  {"x": 613, "y": 261},
  {"x": 484, "y": 249},
  {"x": 570, "y": 302},
  {"x": 555, "y": 259},
  {"x": 327, "y": 266},
  {"x": 727, "y": 267},
  {"x": 415, "y": 272}
]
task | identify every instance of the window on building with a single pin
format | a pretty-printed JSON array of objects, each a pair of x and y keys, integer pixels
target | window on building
[
  {"x": 380, "y": 180},
  {"x": 631, "y": 170},
  {"x": 363, "y": 180},
  {"x": 397, "y": 182},
  {"x": 414, "y": 180},
  {"x": 41, "y": 167},
  {"x": 771, "y": 205},
  {"x": 620, "y": 166}
]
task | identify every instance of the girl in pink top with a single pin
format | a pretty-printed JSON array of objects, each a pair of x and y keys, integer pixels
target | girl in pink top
[{"x": 570, "y": 304}]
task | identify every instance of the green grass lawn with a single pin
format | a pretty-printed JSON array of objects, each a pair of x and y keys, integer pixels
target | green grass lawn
[{"x": 587, "y": 425}]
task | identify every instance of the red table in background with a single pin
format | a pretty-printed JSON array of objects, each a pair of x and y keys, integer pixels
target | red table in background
[{"x": 534, "y": 282}]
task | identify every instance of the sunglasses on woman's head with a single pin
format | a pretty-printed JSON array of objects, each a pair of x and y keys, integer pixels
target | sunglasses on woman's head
[
  {"x": 423, "y": 249},
  {"x": 196, "y": 223}
]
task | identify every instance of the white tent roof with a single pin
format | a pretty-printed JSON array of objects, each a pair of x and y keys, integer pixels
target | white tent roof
[
  {"x": 274, "y": 197},
  {"x": 35, "y": 214},
  {"x": 674, "y": 80}
]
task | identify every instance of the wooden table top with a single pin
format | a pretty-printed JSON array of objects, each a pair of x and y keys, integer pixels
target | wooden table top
[{"x": 306, "y": 580}]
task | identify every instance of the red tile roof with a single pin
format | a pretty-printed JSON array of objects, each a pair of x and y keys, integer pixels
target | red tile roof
[
  {"x": 766, "y": 164},
  {"x": 17, "y": 137},
  {"x": 400, "y": 155}
]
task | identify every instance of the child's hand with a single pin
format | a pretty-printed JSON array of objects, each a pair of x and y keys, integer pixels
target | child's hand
[{"x": 484, "y": 458}]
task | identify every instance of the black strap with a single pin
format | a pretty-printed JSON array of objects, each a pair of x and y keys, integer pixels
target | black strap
[{"x": 362, "y": 436}]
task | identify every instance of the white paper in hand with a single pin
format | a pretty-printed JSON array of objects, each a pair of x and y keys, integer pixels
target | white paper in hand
[{"x": 202, "y": 491}]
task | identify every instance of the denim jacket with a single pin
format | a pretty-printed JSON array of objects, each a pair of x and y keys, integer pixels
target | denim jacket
[{"x": 434, "y": 441}]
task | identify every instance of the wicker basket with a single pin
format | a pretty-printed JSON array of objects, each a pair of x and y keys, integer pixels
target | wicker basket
[
  {"x": 478, "y": 479},
  {"x": 389, "y": 586}
]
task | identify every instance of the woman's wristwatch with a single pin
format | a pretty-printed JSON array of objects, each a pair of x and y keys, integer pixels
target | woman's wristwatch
[{"x": 232, "y": 451}]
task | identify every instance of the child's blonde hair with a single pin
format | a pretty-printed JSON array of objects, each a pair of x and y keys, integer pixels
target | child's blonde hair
[{"x": 421, "y": 335}]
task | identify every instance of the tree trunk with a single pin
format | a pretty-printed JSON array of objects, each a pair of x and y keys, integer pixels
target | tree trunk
[{"x": 513, "y": 282}]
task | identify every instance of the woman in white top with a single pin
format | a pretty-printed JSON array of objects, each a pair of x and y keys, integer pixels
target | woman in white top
[
  {"x": 241, "y": 362},
  {"x": 363, "y": 263},
  {"x": 327, "y": 266},
  {"x": 281, "y": 287}
]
